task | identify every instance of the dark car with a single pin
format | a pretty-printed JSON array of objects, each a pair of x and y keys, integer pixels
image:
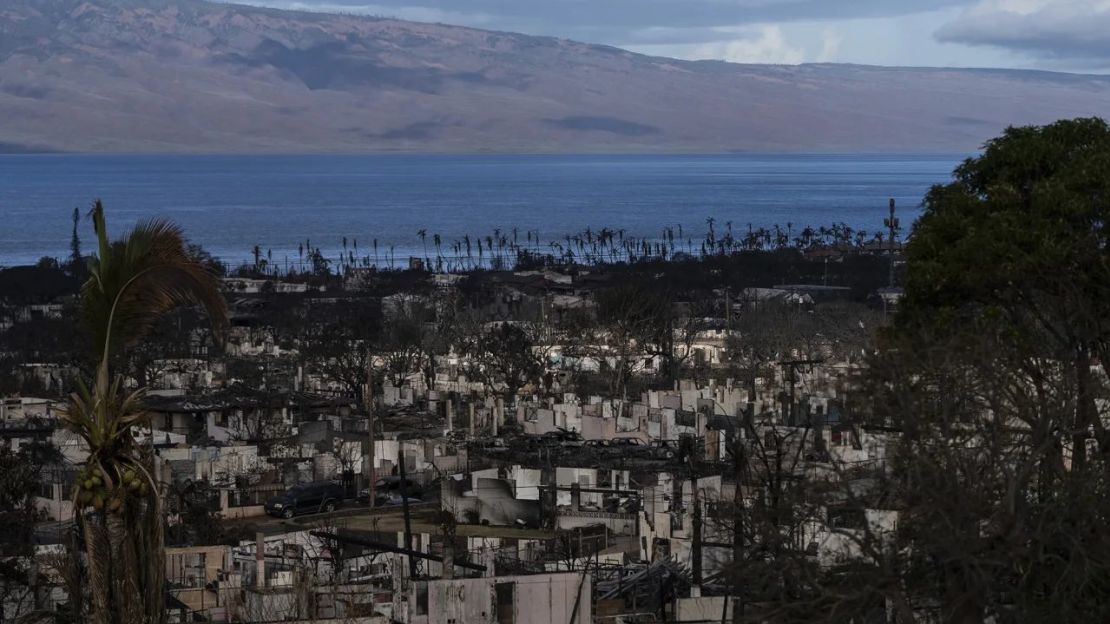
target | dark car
[
  {"x": 316, "y": 497},
  {"x": 388, "y": 487},
  {"x": 563, "y": 437},
  {"x": 535, "y": 442},
  {"x": 631, "y": 447},
  {"x": 491, "y": 446}
]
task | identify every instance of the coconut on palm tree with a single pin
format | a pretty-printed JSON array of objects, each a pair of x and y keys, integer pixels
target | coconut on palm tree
[{"x": 132, "y": 282}]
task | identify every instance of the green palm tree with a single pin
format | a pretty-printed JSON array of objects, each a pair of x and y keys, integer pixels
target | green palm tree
[{"x": 132, "y": 282}]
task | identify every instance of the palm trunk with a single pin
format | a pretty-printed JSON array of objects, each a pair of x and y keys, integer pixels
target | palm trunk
[
  {"x": 99, "y": 568},
  {"x": 126, "y": 564},
  {"x": 127, "y": 596}
]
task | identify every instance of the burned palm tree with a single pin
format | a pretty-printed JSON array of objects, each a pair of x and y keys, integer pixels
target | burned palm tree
[
  {"x": 132, "y": 282},
  {"x": 423, "y": 235}
]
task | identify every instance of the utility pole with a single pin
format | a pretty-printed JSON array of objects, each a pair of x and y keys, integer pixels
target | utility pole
[
  {"x": 740, "y": 459},
  {"x": 696, "y": 521},
  {"x": 405, "y": 508},
  {"x": 370, "y": 459}
]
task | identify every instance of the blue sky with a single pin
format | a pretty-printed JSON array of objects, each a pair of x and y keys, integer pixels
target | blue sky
[{"x": 1067, "y": 35}]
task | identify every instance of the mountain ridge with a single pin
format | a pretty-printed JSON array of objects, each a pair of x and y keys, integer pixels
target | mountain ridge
[{"x": 173, "y": 76}]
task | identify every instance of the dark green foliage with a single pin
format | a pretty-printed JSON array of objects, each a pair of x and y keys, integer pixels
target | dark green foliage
[
  {"x": 22, "y": 477},
  {"x": 1004, "y": 456},
  {"x": 1020, "y": 232},
  {"x": 36, "y": 284}
]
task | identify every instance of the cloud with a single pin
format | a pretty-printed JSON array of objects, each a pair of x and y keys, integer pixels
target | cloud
[
  {"x": 1075, "y": 30},
  {"x": 884, "y": 32},
  {"x": 622, "y": 22},
  {"x": 830, "y": 47},
  {"x": 762, "y": 44}
]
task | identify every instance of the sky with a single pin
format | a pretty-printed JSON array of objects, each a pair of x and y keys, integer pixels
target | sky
[{"x": 1062, "y": 35}]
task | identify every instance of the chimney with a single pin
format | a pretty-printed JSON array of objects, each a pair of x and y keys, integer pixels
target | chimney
[{"x": 260, "y": 560}]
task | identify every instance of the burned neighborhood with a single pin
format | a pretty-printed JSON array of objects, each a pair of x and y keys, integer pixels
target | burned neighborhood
[{"x": 824, "y": 428}]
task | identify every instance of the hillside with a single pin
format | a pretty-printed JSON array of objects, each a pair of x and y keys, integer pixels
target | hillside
[{"x": 194, "y": 76}]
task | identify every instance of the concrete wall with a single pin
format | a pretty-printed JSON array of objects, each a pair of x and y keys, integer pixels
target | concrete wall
[
  {"x": 537, "y": 599},
  {"x": 598, "y": 428},
  {"x": 703, "y": 609},
  {"x": 616, "y": 523}
]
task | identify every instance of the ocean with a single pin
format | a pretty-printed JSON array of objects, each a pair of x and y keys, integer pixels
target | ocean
[{"x": 230, "y": 204}]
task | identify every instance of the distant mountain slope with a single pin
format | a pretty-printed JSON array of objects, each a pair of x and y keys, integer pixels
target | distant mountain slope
[{"x": 188, "y": 75}]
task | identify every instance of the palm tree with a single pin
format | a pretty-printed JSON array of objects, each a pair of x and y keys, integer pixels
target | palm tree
[
  {"x": 423, "y": 234},
  {"x": 132, "y": 283}
]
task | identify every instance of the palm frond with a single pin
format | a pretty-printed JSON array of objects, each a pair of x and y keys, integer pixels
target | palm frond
[{"x": 137, "y": 279}]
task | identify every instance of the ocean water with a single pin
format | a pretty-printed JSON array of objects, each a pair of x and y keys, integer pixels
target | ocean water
[{"x": 229, "y": 204}]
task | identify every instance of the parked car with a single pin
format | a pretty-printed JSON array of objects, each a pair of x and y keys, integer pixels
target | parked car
[
  {"x": 491, "y": 445},
  {"x": 633, "y": 447},
  {"x": 387, "y": 487},
  {"x": 537, "y": 442},
  {"x": 563, "y": 437},
  {"x": 316, "y": 497}
]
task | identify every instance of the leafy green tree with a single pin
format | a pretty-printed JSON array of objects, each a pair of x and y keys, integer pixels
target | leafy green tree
[
  {"x": 1018, "y": 241},
  {"x": 991, "y": 377}
]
